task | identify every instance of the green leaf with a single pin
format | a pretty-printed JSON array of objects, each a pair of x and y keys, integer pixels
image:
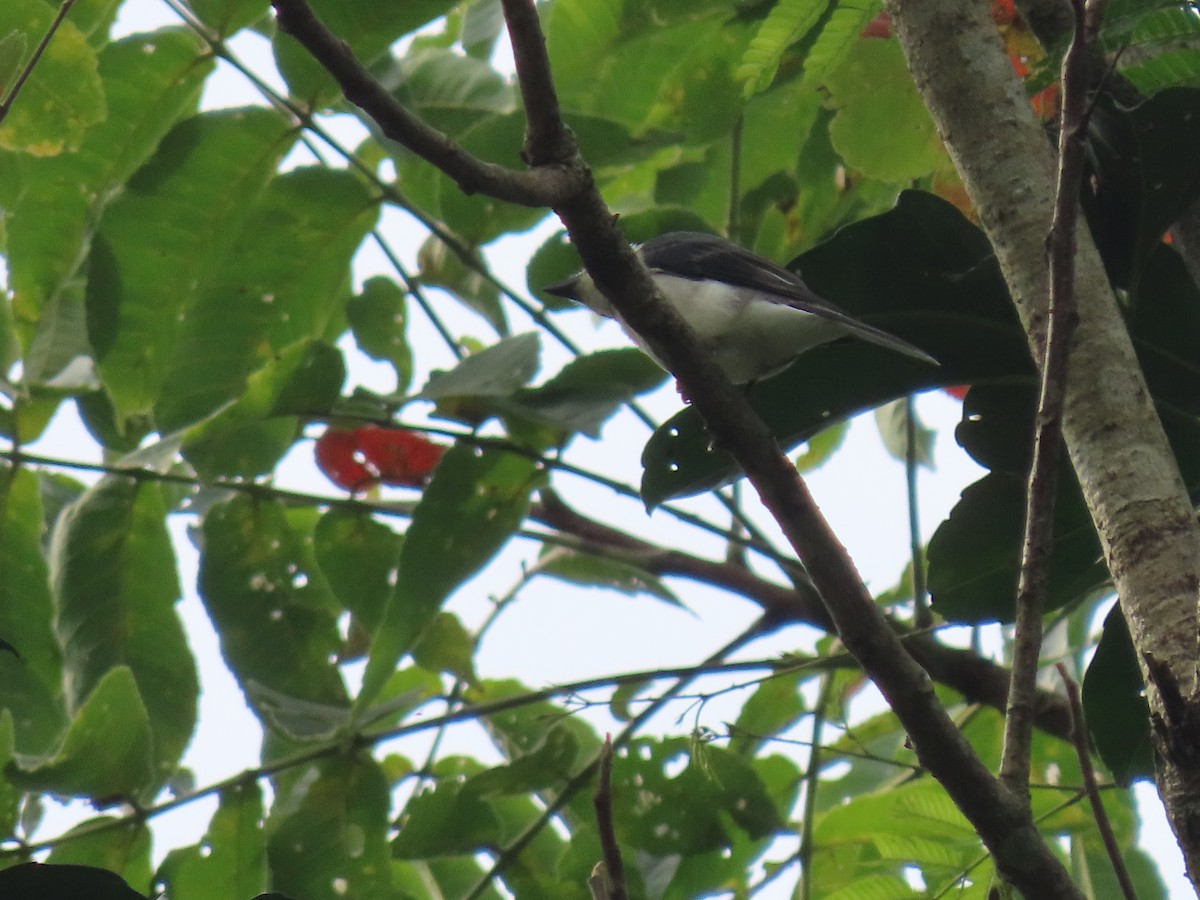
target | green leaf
[
  {"x": 447, "y": 646},
  {"x": 775, "y": 706},
  {"x": 450, "y": 819},
  {"x": 786, "y": 23},
  {"x": 280, "y": 283},
  {"x": 12, "y": 54},
  {"x": 231, "y": 861},
  {"x": 519, "y": 730},
  {"x": 121, "y": 847},
  {"x": 9, "y": 795},
  {"x": 228, "y": 16},
  {"x": 1115, "y": 706},
  {"x": 471, "y": 390},
  {"x": 143, "y": 276},
  {"x": 476, "y": 500},
  {"x": 115, "y": 589},
  {"x": 107, "y": 754},
  {"x": 819, "y": 448},
  {"x": 839, "y": 35},
  {"x": 151, "y": 80},
  {"x": 257, "y": 585},
  {"x": 921, "y": 271},
  {"x": 877, "y": 836},
  {"x": 441, "y": 267},
  {"x": 328, "y": 835},
  {"x": 64, "y": 96},
  {"x": 378, "y": 318},
  {"x": 691, "y": 812},
  {"x": 31, "y": 681},
  {"x": 588, "y": 391},
  {"x": 1143, "y": 176},
  {"x": 358, "y": 557},
  {"x": 591, "y": 570},
  {"x": 449, "y": 91},
  {"x": 549, "y": 763},
  {"x": 881, "y": 127},
  {"x": 974, "y": 556},
  {"x": 248, "y": 437},
  {"x": 893, "y": 421}
]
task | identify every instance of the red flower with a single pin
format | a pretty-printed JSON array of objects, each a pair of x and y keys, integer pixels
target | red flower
[{"x": 357, "y": 459}]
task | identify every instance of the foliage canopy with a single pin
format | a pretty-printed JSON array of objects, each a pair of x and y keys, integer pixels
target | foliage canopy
[{"x": 188, "y": 278}]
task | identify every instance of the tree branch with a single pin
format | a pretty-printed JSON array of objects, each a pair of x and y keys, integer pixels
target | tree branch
[
  {"x": 555, "y": 179},
  {"x": 1047, "y": 441},
  {"x": 1079, "y": 738}
]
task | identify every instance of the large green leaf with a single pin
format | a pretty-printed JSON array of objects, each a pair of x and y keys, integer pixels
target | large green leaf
[
  {"x": 882, "y": 835},
  {"x": 115, "y": 846},
  {"x": 276, "y": 285},
  {"x": 1115, "y": 706},
  {"x": 328, "y": 836},
  {"x": 921, "y": 271},
  {"x": 115, "y": 589},
  {"x": 358, "y": 556},
  {"x": 676, "y": 73},
  {"x": 248, "y": 436},
  {"x": 378, "y": 316},
  {"x": 31, "y": 676},
  {"x": 232, "y": 859},
  {"x": 277, "y": 629},
  {"x": 64, "y": 96},
  {"x": 10, "y": 795},
  {"x": 167, "y": 237},
  {"x": 881, "y": 127},
  {"x": 1144, "y": 179},
  {"x": 974, "y": 557},
  {"x": 474, "y": 503},
  {"x": 587, "y": 392},
  {"x": 108, "y": 752},
  {"x": 150, "y": 81}
]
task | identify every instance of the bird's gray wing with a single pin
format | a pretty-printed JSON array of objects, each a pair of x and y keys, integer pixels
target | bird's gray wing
[{"x": 699, "y": 256}]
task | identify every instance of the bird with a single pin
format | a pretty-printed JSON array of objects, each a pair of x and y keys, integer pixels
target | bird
[{"x": 753, "y": 315}]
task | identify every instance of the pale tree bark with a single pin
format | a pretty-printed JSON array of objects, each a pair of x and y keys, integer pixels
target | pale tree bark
[{"x": 1116, "y": 443}]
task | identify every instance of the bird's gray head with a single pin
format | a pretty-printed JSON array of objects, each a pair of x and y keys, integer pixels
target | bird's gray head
[{"x": 582, "y": 289}]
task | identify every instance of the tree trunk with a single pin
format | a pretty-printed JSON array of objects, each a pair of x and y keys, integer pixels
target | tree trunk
[{"x": 1132, "y": 486}]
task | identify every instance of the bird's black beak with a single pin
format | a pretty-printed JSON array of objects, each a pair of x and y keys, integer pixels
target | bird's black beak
[{"x": 568, "y": 289}]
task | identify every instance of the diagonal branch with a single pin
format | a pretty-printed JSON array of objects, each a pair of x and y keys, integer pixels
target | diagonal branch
[{"x": 548, "y": 186}]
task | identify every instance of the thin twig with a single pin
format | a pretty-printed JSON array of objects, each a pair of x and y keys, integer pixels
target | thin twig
[
  {"x": 614, "y": 869},
  {"x": 1090, "y": 787},
  {"x": 812, "y": 781},
  {"x": 6, "y": 106},
  {"x": 921, "y": 614},
  {"x": 1047, "y": 442}
]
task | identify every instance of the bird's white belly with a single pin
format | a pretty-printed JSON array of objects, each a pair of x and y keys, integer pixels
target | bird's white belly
[{"x": 749, "y": 336}]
